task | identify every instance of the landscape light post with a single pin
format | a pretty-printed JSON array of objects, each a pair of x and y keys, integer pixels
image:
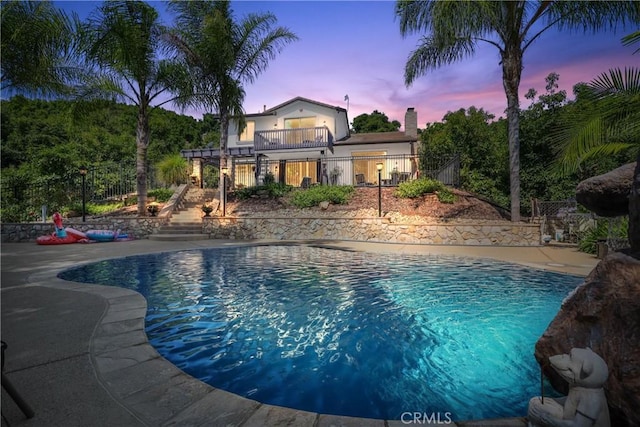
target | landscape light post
[
  {"x": 83, "y": 173},
  {"x": 225, "y": 171},
  {"x": 379, "y": 167}
]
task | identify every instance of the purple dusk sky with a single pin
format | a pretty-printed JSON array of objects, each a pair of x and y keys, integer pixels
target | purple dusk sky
[{"x": 355, "y": 48}]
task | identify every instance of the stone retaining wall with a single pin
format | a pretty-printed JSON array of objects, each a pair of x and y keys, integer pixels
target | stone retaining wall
[
  {"x": 138, "y": 228},
  {"x": 496, "y": 233}
]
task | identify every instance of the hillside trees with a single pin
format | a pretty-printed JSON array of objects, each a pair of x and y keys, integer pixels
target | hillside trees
[
  {"x": 540, "y": 125},
  {"x": 44, "y": 138},
  {"x": 453, "y": 30},
  {"x": 374, "y": 122},
  {"x": 480, "y": 143}
]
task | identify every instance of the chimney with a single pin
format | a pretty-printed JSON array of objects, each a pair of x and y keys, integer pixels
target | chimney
[{"x": 411, "y": 123}]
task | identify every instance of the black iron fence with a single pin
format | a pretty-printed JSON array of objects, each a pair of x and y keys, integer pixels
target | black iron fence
[
  {"x": 354, "y": 170},
  {"x": 104, "y": 182}
]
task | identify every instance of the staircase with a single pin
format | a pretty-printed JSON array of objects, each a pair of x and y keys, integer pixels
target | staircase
[{"x": 186, "y": 221}]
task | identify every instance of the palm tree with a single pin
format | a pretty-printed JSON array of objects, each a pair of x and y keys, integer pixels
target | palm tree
[
  {"x": 607, "y": 123},
  {"x": 455, "y": 28},
  {"x": 223, "y": 54},
  {"x": 123, "y": 41},
  {"x": 37, "y": 46}
]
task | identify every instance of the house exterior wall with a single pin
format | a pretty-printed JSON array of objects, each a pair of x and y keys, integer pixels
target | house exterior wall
[
  {"x": 262, "y": 123},
  {"x": 335, "y": 120},
  {"x": 346, "y": 161}
]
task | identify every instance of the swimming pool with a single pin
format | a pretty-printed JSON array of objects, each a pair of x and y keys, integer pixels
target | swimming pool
[{"x": 348, "y": 333}]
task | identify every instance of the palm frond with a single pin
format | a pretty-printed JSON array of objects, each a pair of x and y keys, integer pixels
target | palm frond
[
  {"x": 617, "y": 81},
  {"x": 39, "y": 50},
  {"x": 607, "y": 123},
  {"x": 632, "y": 38},
  {"x": 431, "y": 55}
]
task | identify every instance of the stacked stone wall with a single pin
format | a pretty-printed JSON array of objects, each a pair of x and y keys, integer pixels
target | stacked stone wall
[
  {"x": 489, "y": 233},
  {"x": 498, "y": 233},
  {"x": 138, "y": 228}
]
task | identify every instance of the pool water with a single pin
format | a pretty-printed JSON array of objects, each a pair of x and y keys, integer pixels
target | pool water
[{"x": 347, "y": 333}]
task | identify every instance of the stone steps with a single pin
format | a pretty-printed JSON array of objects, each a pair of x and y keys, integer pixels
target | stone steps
[{"x": 186, "y": 222}]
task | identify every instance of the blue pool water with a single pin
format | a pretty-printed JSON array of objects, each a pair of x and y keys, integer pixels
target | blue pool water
[{"x": 348, "y": 333}]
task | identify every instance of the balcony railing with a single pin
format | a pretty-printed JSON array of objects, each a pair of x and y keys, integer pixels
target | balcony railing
[{"x": 282, "y": 139}]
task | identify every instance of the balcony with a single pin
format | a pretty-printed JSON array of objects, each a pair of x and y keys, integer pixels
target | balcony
[{"x": 284, "y": 139}]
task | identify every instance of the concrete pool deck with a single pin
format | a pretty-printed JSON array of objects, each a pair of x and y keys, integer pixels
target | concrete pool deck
[{"x": 79, "y": 356}]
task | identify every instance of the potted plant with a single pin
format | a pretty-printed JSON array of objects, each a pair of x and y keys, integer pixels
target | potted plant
[
  {"x": 153, "y": 208},
  {"x": 207, "y": 209}
]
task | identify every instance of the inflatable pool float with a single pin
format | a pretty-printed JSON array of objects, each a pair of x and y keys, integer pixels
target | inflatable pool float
[
  {"x": 79, "y": 235},
  {"x": 61, "y": 235},
  {"x": 55, "y": 240},
  {"x": 105, "y": 235}
]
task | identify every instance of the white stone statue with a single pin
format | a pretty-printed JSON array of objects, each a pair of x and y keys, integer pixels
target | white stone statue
[{"x": 586, "y": 404}]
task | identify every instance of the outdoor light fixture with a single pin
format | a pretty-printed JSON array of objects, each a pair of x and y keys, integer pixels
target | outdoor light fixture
[
  {"x": 83, "y": 172},
  {"x": 225, "y": 171},
  {"x": 379, "y": 166}
]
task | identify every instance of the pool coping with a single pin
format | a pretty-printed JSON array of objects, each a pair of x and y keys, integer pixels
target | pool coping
[{"x": 156, "y": 392}]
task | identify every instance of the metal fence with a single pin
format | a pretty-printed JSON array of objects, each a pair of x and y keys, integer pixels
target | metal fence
[
  {"x": 354, "y": 170},
  {"x": 562, "y": 221},
  {"x": 107, "y": 181}
]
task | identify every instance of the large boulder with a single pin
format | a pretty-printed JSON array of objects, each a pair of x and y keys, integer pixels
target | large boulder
[
  {"x": 607, "y": 194},
  {"x": 603, "y": 313}
]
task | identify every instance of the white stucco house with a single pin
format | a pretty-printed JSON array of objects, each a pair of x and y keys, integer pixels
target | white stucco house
[{"x": 303, "y": 142}]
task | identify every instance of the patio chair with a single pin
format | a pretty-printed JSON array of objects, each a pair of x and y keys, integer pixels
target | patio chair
[
  {"x": 306, "y": 182},
  {"x": 360, "y": 179}
]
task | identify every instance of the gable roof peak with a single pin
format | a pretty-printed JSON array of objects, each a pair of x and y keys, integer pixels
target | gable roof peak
[{"x": 303, "y": 99}]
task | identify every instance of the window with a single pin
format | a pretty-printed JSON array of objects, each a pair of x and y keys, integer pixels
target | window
[
  {"x": 306, "y": 132},
  {"x": 300, "y": 122},
  {"x": 245, "y": 174},
  {"x": 249, "y": 130},
  {"x": 364, "y": 163},
  {"x": 297, "y": 171}
]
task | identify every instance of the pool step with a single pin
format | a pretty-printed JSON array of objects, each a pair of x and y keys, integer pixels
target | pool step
[
  {"x": 181, "y": 230},
  {"x": 178, "y": 237}
]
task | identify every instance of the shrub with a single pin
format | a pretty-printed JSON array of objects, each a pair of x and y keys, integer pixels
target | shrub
[
  {"x": 272, "y": 190},
  {"x": 15, "y": 213},
  {"x": 418, "y": 188},
  {"x": 269, "y": 178},
  {"x": 422, "y": 186},
  {"x": 313, "y": 196},
  {"x": 446, "y": 196},
  {"x": 589, "y": 240},
  {"x": 161, "y": 195},
  {"x": 173, "y": 169}
]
